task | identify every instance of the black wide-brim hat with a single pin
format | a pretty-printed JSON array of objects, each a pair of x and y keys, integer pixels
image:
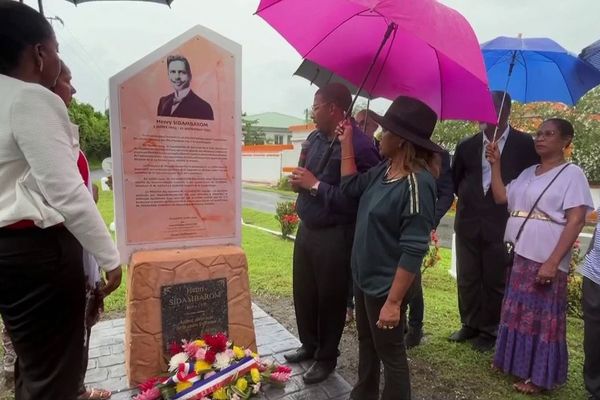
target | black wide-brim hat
[{"x": 412, "y": 120}]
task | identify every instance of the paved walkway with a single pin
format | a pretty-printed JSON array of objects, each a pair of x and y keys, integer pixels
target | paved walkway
[{"x": 106, "y": 367}]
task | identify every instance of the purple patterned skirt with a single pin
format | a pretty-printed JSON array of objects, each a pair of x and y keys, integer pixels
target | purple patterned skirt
[{"x": 532, "y": 336}]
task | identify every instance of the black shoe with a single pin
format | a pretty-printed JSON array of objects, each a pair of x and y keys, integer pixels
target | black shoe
[
  {"x": 463, "y": 334},
  {"x": 299, "y": 355},
  {"x": 318, "y": 372},
  {"x": 484, "y": 343},
  {"x": 413, "y": 337}
]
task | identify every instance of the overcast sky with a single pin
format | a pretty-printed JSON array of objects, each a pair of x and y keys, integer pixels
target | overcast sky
[{"x": 101, "y": 38}]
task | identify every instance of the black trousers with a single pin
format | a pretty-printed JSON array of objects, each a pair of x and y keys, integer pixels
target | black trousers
[
  {"x": 42, "y": 300},
  {"x": 481, "y": 278},
  {"x": 591, "y": 317},
  {"x": 320, "y": 280},
  {"x": 416, "y": 305},
  {"x": 377, "y": 345}
]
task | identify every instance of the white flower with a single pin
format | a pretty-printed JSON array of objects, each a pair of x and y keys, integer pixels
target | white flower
[
  {"x": 256, "y": 388},
  {"x": 177, "y": 359},
  {"x": 222, "y": 360}
]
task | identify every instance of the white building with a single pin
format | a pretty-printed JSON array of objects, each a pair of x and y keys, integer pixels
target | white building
[
  {"x": 268, "y": 163},
  {"x": 275, "y": 126}
]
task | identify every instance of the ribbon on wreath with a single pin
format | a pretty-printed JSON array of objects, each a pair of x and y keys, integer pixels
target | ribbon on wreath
[{"x": 222, "y": 378}]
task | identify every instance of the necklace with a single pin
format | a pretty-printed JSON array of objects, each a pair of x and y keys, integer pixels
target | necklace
[{"x": 392, "y": 178}]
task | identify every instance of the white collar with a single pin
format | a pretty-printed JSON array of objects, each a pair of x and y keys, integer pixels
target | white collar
[
  {"x": 182, "y": 93},
  {"x": 502, "y": 138}
]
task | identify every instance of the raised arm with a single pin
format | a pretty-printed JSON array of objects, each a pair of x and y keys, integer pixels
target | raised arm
[
  {"x": 492, "y": 153},
  {"x": 353, "y": 182}
]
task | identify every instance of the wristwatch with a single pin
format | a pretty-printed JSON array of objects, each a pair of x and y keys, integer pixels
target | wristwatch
[{"x": 314, "y": 189}]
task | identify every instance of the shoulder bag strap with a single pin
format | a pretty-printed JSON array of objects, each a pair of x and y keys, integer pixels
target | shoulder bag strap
[{"x": 537, "y": 201}]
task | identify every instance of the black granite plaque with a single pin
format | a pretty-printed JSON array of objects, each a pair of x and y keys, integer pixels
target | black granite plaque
[{"x": 191, "y": 310}]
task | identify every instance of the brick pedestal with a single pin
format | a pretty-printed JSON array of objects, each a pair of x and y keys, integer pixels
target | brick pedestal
[{"x": 149, "y": 270}]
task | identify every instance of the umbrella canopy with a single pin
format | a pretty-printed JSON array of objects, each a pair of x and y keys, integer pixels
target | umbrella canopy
[
  {"x": 41, "y": 3},
  {"x": 591, "y": 54},
  {"x": 321, "y": 76},
  {"x": 167, "y": 2},
  {"x": 432, "y": 53},
  {"x": 541, "y": 70}
]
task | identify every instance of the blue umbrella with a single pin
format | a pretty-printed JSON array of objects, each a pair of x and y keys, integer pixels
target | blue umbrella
[
  {"x": 591, "y": 54},
  {"x": 537, "y": 69}
]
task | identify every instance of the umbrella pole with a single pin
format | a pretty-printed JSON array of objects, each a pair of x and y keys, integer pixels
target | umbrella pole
[
  {"x": 40, "y": 7},
  {"x": 325, "y": 159},
  {"x": 510, "y": 71},
  {"x": 364, "y": 127},
  {"x": 391, "y": 28}
]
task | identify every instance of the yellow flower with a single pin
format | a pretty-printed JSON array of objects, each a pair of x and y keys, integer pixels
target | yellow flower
[
  {"x": 199, "y": 343},
  {"x": 181, "y": 386},
  {"x": 241, "y": 385},
  {"x": 238, "y": 352},
  {"x": 201, "y": 366},
  {"x": 220, "y": 394},
  {"x": 255, "y": 374}
]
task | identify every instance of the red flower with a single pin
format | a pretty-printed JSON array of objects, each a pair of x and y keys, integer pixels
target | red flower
[
  {"x": 174, "y": 348},
  {"x": 283, "y": 369},
  {"x": 217, "y": 342},
  {"x": 210, "y": 356},
  {"x": 290, "y": 218},
  {"x": 149, "y": 384},
  {"x": 434, "y": 237}
]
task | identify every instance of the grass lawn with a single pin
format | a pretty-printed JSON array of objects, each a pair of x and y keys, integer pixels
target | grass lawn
[
  {"x": 262, "y": 219},
  {"x": 116, "y": 301},
  {"x": 263, "y": 188}
]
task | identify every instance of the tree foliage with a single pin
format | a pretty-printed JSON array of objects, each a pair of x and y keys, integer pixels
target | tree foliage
[
  {"x": 94, "y": 132},
  {"x": 585, "y": 117},
  {"x": 253, "y": 134}
]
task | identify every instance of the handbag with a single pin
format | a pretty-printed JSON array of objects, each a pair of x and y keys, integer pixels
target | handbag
[{"x": 509, "y": 247}]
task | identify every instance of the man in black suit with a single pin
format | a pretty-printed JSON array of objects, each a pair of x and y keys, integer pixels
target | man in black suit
[
  {"x": 480, "y": 225},
  {"x": 183, "y": 102}
]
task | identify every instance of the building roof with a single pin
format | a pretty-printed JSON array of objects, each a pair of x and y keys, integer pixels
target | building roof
[
  {"x": 274, "y": 120},
  {"x": 266, "y": 148},
  {"x": 303, "y": 128}
]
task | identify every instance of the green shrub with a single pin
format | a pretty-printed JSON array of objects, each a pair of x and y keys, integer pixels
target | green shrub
[
  {"x": 287, "y": 217},
  {"x": 284, "y": 183}
]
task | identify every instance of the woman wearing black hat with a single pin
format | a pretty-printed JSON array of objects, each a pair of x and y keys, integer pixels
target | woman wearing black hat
[{"x": 395, "y": 218}]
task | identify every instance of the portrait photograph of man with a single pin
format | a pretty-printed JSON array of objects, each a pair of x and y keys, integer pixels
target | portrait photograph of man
[{"x": 183, "y": 102}]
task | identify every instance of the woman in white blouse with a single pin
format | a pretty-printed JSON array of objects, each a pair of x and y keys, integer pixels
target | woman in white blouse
[
  {"x": 46, "y": 214},
  {"x": 532, "y": 340}
]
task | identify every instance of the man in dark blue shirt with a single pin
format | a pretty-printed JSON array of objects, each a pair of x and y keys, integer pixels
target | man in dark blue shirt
[{"x": 323, "y": 244}]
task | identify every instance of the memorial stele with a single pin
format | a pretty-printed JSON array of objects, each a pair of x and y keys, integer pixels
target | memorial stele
[{"x": 176, "y": 152}]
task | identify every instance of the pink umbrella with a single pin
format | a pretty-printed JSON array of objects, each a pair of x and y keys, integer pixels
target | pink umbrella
[{"x": 417, "y": 48}]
